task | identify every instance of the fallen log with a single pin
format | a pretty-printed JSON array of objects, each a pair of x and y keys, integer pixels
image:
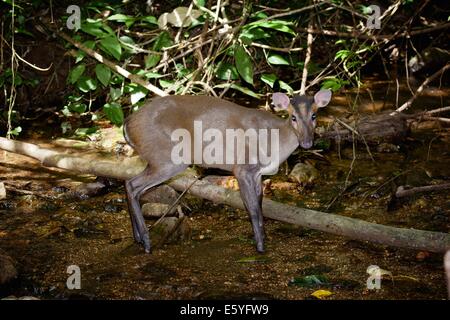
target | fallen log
[
  {"x": 402, "y": 192},
  {"x": 331, "y": 223},
  {"x": 372, "y": 129}
]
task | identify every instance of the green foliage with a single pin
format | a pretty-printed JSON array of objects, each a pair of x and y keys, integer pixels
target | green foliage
[
  {"x": 226, "y": 71},
  {"x": 111, "y": 45},
  {"x": 244, "y": 64},
  {"x": 162, "y": 41},
  {"x": 114, "y": 113},
  {"x": 86, "y": 84},
  {"x": 278, "y": 25},
  {"x": 309, "y": 281},
  {"x": 76, "y": 73},
  {"x": 249, "y": 63},
  {"x": 271, "y": 79},
  {"x": 277, "y": 59},
  {"x": 334, "y": 84},
  {"x": 85, "y": 132},
  {"x": 152, "y": 60},
  {"x": 103, "y": 74}
]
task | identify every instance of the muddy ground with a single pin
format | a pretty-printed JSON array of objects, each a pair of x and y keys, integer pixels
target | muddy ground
[{"x": 46, "y": 229}]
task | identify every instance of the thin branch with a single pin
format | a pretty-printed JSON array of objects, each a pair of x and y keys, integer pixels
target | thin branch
[
  {"x": 408, "y": 103},
  {"x": 309, "y": 43}
]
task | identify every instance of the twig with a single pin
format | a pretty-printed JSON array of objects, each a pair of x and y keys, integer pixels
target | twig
[
  {"x": 291, "y": 12},
  {"x": 265, "y": 46},
  {"x": 408, "y": 103},
  {"x": 438, "y": 110},
  {"x": 173, "y": 204},
  {"x": 446, "y": 120},
  {"x": 32, "y": 65},
  {"x": 309, "y": 43}
]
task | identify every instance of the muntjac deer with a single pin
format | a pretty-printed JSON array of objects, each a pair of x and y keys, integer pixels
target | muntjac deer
[{"x": 170, "y": 133}]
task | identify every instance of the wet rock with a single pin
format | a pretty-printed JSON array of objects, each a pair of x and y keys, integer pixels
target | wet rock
[
  {"x": 7, "y": 269},
  {"x": 304, "y": 174},
  {"x": 157, "y": 201},
  {"x": 60, "y": 189},
  {"x": 173, "y": 229},
  {"x": 87, "y": 190},
  {"x": 7, "y": 205},
  {"x": 387, "y": 148},
  {"x": 111, "y": 138},
  {"x": 161, "y": 194},
  {"x": 157, "y": 209},
  {"x": 112, "y": 208},
  {"x": 99, "y": 187}
]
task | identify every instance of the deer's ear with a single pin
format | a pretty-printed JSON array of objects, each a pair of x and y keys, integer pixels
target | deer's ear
[
  {"x": 322, "y": 98},
  {"x": 280, "y": 101}
]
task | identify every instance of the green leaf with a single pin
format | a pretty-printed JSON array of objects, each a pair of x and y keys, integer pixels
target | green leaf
[
  {"x": 119, "y": 17},
  {"x": 200, "y": 3},
  {"x": 93, "y": 27},
  {"x": 128, "y": 40},
  {"x": 149, "y": 74},
  {"x": 249, "y": 35},
  {"x": 15, "y": 131},
  {"x": 342, "y": 54},
  {"x": 309, "y": 281},
  {"x": 77, "y": 107},
  {"x": 166, "y": 83},
  {"x": 117, "y": 79},
  {"x": 115, "y": 93},
  {"x": 112, "y": 46},
  {"x": 128, "y": 20},
  {"x": 150, "y": 20},
  {"x": 269, "y": 78},
  {"x": 260, "y": 15},
  {"x": 334, "y": 84},
  {"x": 239, "y": 88},
  {"x": 277, "y": 59},
  {"x": 86, "y": 84},
  {"x": 103, "y": 73},
  {"x": 226, "y": 71},
  {"x": 84, "y": 132},
  {"x": 114, "y": 113},
  {"x": 76, "y": 73},
  {"x": 285, "y": 86},
  {"x": 278, "y": 25},
  {"x": 182, "y": 71},
  {"x": 152, "y": 60},
  {"x": 243, "y": 64},
  {"x": 164, "y": 40},
  {"x": 17, "y": 80},
  {"x": 137, "y": 93}
]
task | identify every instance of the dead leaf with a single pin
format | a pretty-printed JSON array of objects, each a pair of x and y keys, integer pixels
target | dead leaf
[{"x": 320, "y": 294}]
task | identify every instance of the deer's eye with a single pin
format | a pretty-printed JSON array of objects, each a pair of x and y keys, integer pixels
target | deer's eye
[
  {"x": 314, "y": 116},
  {"x": 294, "y": 118}
]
